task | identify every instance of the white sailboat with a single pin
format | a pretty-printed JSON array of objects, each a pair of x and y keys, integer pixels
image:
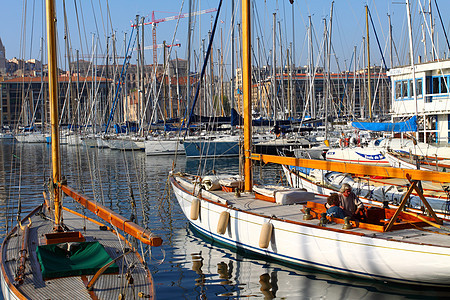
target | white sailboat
[
  {"x": 48, "y": 256},
  {"x": 283, "y": 232}
]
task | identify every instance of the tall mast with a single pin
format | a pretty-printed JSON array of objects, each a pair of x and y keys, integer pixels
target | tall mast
[
  {"x": 188, "y": 63},
  {"x": 390, "y": 42},
  {"x": 246, "y": 80},
  {"x": 232, "y": 59},
  {"x": 433, "y": 57},
  {"x": 274, "y": 65},
  {"x": 368, "y": 65},
  {"x": 411, "y": 55},
  {"x": 311, "y": 71},
  {"x": 142, "y": 85},
  {"x": 53, "y": 97}
]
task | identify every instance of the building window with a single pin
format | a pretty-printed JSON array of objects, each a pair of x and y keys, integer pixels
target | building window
[
  {"x": 398, "y": 89},
  {"x": 404, "y": 89},
  {"x": 444, "y": 85},
  {"x": 419, "y": 88},
  {"x": 411, "y": 89},
  {"x": 435, "y": 85}
]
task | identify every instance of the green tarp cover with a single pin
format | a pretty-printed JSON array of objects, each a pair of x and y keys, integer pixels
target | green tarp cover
[{"x": 84, "y": 258}]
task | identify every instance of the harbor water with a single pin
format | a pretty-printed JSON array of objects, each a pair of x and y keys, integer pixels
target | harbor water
[{"x": 187, "y": 265}]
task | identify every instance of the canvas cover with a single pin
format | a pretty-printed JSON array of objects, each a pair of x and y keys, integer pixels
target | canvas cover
[
  {"x": 407, "y": 126},
  {"x": 85, "y": 258}
]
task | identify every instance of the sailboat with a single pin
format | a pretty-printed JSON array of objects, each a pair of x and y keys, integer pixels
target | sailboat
[
  {"x": 51, "y": 256},
  {"x": 291, "y": 225}
]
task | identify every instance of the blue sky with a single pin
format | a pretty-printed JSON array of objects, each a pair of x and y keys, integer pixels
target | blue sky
[{"x": 347, "y": 31}]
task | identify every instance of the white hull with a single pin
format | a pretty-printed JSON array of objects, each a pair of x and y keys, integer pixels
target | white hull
[
  {"x": 74, "y": 140},
  {"x": 305, "y": 243},
  {"x": 6, "y": 136},
  {"x": 102, "y": 143},
  {"x": 90, "y": 141},
  {"x": 163, "y": 147},
  {"x": 357, "y": 155},
  {"x": 125, "y": 144},
  {"x": 421, "y": 149},
  {"x": 30, "y": 137}
]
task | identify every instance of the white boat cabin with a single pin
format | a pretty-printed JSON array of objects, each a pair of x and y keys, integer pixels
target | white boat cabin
[{"x": 433, "y": 98}]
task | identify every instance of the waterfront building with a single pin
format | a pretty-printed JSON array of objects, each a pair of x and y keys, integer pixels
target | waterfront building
[{"x": 431, "y": 102}]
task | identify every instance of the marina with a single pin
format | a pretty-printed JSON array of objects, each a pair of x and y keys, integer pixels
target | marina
[
  {"x": 186, "y": 265},
  {"x": 232, "y": 166}
]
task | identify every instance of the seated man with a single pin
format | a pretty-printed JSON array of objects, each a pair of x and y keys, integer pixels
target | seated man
[
  {"x": 350, "y": 203},
  {"x": 333, "y": 209}
]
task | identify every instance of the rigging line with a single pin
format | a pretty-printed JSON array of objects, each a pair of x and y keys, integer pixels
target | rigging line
[
  {"x": 121, "y": 80},
  {"x": 78, "y": 24},
  {"x": 205, "y": 63},
  {"x": 32, "y": 29},
  {"x": 95, "y": 18},
  {"x": 165, "y": 70},
  {"x": 84, "y": 28},
  {"x": 376, "y": 36},
  {"x": 442, "y": 24},
  {"x": 103, "y": 21}
]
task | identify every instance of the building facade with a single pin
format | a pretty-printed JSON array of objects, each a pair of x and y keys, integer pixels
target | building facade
[{"x": 430, "y": 102}]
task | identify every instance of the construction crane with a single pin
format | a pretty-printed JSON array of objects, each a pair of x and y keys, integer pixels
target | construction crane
[
  {"x": 161, "y": 45},
  {"x": 155, "y": 21}
]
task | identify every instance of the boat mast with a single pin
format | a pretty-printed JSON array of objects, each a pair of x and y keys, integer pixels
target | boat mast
[
  {"x": 411, "y": 56},
  {"x": 246, "y": 80},
  {"x": 368, "y": 65},
  {"x": 53, "y": 95}
]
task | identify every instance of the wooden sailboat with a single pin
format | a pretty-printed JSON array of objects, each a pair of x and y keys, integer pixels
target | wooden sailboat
[
  {"x": 47, "y": 256},
  {"x": 389, "y": 246}
]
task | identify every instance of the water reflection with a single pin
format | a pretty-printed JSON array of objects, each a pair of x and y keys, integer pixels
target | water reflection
[{"x": 186, "y": 266}]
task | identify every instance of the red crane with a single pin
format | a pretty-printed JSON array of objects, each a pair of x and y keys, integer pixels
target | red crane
[{"x": 155, "y": 21}]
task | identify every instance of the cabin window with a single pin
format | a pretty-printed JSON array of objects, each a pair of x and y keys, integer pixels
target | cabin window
[
  {"x": 419, "y": 88},
  {"x": 435, "y": 85},
  {"x": 404, "y": 89},
  {"x": 411, "y": 89},
  {"x": 428, "y": 85},
  {"x": 444, "y": 85},
  {"x": 398, "y": 89}
]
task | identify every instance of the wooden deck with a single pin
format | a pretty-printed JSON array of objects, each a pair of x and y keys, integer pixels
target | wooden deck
[{"x": 107, "y": 287}]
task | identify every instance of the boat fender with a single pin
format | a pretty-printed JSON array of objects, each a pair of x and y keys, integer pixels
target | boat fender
[
  {"x": 223, "y": 222},
  {"x": 195, "y": 209},
  {"x": 265, "y": 235}
]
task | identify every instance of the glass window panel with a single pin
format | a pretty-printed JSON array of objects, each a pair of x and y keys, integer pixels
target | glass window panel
[
  {"x": 435, "y": 85},
  {"x": 398, "y": 89},
  {"x": 404, "y": 89}
]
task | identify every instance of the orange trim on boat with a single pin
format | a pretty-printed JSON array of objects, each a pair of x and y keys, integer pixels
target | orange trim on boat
[
  {"x": 113, "y": 218},
  {"x": 354, "y": 168}
]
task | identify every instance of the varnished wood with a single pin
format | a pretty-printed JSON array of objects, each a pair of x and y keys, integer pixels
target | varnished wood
[{"x": 354, "y": 168}]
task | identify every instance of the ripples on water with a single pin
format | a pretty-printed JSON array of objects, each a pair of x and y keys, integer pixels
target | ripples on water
[{"x": 186, "y": 266}]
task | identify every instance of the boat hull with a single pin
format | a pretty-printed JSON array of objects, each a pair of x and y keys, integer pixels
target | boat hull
[
  {"x": 196, "y": 149},
  {"x": 308, "y": 245},
  {"x": 34, "y": 286},
  {"x": 368, "y": 156},
  {"x": 163, "y": 147}
]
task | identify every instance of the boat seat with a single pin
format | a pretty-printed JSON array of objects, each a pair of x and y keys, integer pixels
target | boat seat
[{"x": 283, "y": 195}]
